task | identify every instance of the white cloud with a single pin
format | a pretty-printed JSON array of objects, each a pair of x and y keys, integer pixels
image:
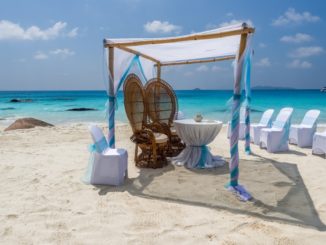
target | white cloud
[
  {"x": 293, "y": 17},
  {"x": 300, "y": 64},
  {"x": 262, "y": 45},
  {"x": 217, "y": 68},
  {"x": 40, "y": 56},
  {"x": 202, "y": 68},
  {"x": 306, "y": 52},
  {"x": 297, "y": 38},
  {"x": 73, "y": 32},
  {"x": 13, "y": 31},
  {"x": 157, "y": 26},
  {"x": 264, "y": 62},
  {"x": 188, "y": 74},
  {"x": 230, "y": 14},
  {"x": 234, "y": 22},
  {"x": 62, "y": 52}
]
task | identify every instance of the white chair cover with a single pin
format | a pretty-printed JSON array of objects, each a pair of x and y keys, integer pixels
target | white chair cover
[
  {"x": 110, "y": 168},
  {"x": 275, "y": 139},
  {"x": 106, "y": 166},
  {"x": 302, "y": 134},
  {"x": 265, "y": 122},
  {"x": 319, "y": 143}
]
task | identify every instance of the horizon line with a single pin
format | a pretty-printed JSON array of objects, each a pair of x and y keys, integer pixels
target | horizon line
[{"x": 195, "y": 89}]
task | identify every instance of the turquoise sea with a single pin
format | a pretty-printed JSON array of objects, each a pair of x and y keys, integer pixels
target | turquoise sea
[{"x": 51, "y": 106}]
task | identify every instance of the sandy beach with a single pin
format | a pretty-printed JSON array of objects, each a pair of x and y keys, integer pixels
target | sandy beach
[{"x": 43, "y": 200}]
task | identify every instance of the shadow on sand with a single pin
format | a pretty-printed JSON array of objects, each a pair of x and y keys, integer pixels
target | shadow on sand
[{"x": 277, "y": 187}]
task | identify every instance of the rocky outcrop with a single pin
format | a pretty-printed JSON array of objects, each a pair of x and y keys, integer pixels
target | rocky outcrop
[
  {"x": 82, "y": 109},
  {"x": 7, "y": 108},
  {"x": 20, "y": 100},
  {"x": 25, "y": 123}
]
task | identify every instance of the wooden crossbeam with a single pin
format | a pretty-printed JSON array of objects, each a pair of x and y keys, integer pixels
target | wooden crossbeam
[
  {"x": 245, "y": 30},
  {"x": 231, "y": 57}
]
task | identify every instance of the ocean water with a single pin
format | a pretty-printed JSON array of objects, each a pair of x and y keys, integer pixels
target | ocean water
[{"x": 52, "y": 106}]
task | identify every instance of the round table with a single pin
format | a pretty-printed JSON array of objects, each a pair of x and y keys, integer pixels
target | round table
[{"x": 197, "y": 135}]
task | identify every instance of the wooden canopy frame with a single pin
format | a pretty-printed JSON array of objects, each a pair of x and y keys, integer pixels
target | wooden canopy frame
[{"x": 127, "y": 46}]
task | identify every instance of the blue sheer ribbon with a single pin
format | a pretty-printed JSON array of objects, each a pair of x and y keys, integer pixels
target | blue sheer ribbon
[
  {"x": 125, "y": 74},
  {"x": 88, "y": 173},
  {"x": 112, "y": 98},
  {"x": 203, "y": 156},
  {"x": 101, "y": 145}
]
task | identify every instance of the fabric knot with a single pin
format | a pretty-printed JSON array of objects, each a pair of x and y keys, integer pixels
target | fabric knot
[{"x": 91, "y": 148}]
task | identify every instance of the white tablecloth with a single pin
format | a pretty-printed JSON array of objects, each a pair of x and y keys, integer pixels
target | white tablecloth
[{"x": 197, "y": 135}]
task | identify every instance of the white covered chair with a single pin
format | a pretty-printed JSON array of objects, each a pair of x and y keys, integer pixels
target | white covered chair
[
  {"x": 265, "y": 122},
  {"x": 319, "y": 143},
  {"x": 242, "y": 125},
  {"x": 275, "y": 139},
  {"x": 107, "y": 166},
  {"x": 302, "y": 134}
]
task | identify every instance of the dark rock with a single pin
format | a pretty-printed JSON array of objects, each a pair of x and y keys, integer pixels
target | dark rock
[
  {"x": 82, "y": 109},
  {"x": 20, "y": 100},
  {"x": 25, "y": 123},
  {"x": 7, "y": 108}
]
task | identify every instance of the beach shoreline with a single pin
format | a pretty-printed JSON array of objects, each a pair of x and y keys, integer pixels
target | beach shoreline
[{"x": 53, "y": 106}]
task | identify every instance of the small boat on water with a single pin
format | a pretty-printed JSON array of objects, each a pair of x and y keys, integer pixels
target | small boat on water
[{"x": 323, "y": 89}]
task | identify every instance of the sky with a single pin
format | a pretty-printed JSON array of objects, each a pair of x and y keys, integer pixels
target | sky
[{"x": 58, "y": 45}]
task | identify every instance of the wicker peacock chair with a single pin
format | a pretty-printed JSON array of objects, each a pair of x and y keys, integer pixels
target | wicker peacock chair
[
  {"x": 146, "y": 136},
  {"x": 162, "y": 106}
]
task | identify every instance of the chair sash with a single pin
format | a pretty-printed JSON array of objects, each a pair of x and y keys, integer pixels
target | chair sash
[{"x": 101, "y": 145}]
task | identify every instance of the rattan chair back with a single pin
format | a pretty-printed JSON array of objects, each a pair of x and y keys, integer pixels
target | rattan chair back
[
  {"x": 161, "y": 101},
  {"x": 134, "y": 101}
]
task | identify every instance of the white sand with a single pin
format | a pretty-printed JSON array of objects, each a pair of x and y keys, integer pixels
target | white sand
[{"x": 42, "y": 199}]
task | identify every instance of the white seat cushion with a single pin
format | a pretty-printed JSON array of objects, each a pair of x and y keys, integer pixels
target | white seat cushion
[
  {"x": 173, "y": 131},
  {"x": 272, "y": 130},
  {"x": 160, "y": 138},
  {"x": 113, "y": 152}
]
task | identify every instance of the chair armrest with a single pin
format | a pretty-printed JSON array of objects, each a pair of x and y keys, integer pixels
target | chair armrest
[
  {"x": 159, "y": 127},
  {"x": 143, "y": 136}
]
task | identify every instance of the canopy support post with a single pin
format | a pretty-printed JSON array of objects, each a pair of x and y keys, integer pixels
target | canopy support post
[
  {"x": 112, "y": 99},
  {"x": 157, "y": 87},
  {"x": 248, "y": 100},
  {"x": 234, "y": 151},
  {"x": 158, "y": 71}
]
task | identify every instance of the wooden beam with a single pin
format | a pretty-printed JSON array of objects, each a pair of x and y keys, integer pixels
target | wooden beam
[
  {"x": 243, "y": 42},
  {"x": 111, "y": 70},
  {"x": 245, "y": 30},
  {"x": 231, "y": 57},
  {"x": 158, "y": 65},
  {"x": 138, "y": 53},
  {"x": 242, "y": 47}
]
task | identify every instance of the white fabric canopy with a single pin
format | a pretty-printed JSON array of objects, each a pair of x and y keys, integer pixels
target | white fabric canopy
[
  {"x": 214, "y": 44},
  {"x": 190, "y": 50}
]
